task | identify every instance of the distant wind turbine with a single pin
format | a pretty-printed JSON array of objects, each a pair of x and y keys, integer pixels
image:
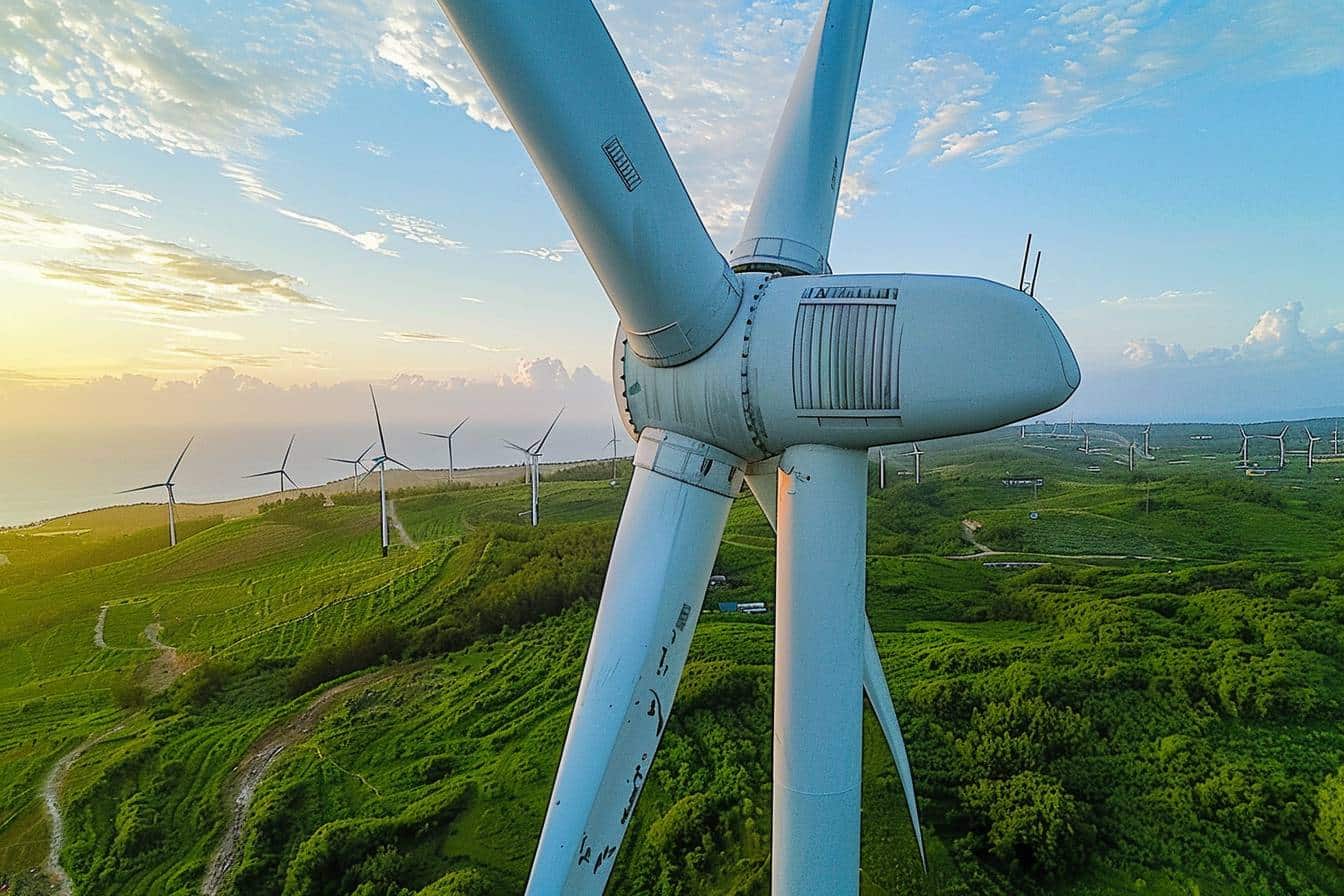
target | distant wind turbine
[
  {"x": 1245, "y": 446},
  {"x": 613, "y": 443},
  {"x": 916, "y": 454},
  {"x": 1147, "y": 451},
  {"x": 284, "y": 476},
  {"x": 1311, "y": 447},
  {"x": 166, "y": 484},
  {"x": 380, "y": 464},
  {"x": 1281, "y": 438},
  {"x": 448, "y": 437},
  {"x": 358, "y": 463},
  {"x": 532, "y": 457}
]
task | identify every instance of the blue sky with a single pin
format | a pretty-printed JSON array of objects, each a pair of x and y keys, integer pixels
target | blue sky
[{"x": 321, "y": 192}]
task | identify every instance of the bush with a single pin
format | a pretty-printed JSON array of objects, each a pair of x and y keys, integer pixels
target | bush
[
  {"x": 198, "y": 686},
  {"x": 1330, "y": 816},
  {"x": 1032, "y": 822},
  {"x": 370, "y": 645}
]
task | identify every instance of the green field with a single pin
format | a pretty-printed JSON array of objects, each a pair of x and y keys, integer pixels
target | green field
[{"x": 1155, "y": 708}]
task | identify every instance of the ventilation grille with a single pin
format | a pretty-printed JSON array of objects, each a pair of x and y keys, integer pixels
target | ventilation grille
[
  {"x": 846, "y": 359},
  {"x": 625, "y": 169}
]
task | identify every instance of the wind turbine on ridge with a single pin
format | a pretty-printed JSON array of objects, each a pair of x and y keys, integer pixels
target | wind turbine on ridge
[
  {"x": 532, "y": 458},
  {"x": 379, "y": 464},
  {"x": 1245, "y": 446},
  {"x": 448, "y": 437},
  {"x": 613, "y": 443},
  {"x": 1281, "y": 438},
  {"x": 358, "y": 463},
  {"x": 167, "y": 484},
  {"x": 284, "y": 476},
  {"x": 763, "y": 367},
  {"x": 1311, "y": 447},
  {"x": 916, "y": 454}
]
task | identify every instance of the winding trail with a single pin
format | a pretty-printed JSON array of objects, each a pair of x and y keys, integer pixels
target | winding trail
[
  {"x": 242, "y": 788},
  {"x": 396, "y": 524},
  {"x": 51, "y": 791},
  {"x": 98, "y": 629}
]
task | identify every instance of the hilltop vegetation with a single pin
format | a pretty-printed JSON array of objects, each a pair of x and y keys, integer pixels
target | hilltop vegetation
[{"x": 1155, "y": 708}]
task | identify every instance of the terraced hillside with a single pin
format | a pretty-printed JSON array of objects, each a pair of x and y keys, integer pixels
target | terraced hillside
[{"x": 272, "y": 708}]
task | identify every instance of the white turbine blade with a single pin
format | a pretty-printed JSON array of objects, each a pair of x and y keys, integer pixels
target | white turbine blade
[
  {"x": 879, "y": 696},
  {"x": 379, "y": 420},
  {"x": 560, "y": 80},
  {"x": 541, "y": 443},
  {"x": 660, "y": 564},
  {"x": 127, "y": 491},
  {"x": 793, "y": 212},
  {"x": 454, "y": 430},
  {"x": 179, "y": 459},
  {"x": 398, "y": 463}
]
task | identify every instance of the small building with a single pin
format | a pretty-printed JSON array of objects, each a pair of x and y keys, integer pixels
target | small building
[
  {"x": 717, "y": 581},
  {"x": 1020, "y": 482}
]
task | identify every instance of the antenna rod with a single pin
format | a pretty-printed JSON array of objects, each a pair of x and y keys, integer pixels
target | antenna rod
[
  {"x": 1022, "y": 280},
  {"x": 1036, "y": 271}
]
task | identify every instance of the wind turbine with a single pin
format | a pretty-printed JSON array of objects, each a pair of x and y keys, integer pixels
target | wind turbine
[
  {"x": 1245, "y": 446},
  {"x": 881, "y": 468},
  {"x": 448, "y": 437},
  {"x": 1281, "y": 439},
  {"x": 1311, "y": 447},
  {"x": 532, "y": 458},
  {"x": 380, "y": 464},
  {"x": 1334, "y": 440},
  {"x": 1086, "y": 443},
  {"x": 1147, "y": 452},
  {"x": 765, "y": 367},
  {"x": 168, "y": 485},
  {"x": 284, "y": 476},
  {"x": 357, "y": 461},
  {"x": 613, "y": 443},
  {"x": 916, "y": 454},
  {"x": 1133, "y": 448}
]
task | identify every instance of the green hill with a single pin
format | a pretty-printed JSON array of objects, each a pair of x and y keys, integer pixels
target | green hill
[{"x": 1155, "y": 708}]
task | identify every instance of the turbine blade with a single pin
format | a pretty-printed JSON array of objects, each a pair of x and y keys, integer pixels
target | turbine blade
[
  {"x": 435, "y": 435},
  {"x": 290, "y": 479},
  {"x": 563, "y": 85},
  {"x": 454, "y": 430},
  {"x": 793, "y": 211},
  {"x": 539, "y": 444},
  {"x": 266, "y": 473},
  {"x": 879, "y": 696},
  {"x": 398, "y": 463},
  {"x": 378, "y": 420},
  {"x": 515, "y": 445},
  {"x": 127, "y": 491},
  {"x": 360, "y": 459},
  {"x": 660, "y": 564},
  {"x": 343, "y": 460},
  {"x": 287, "y": 450},
  {"x": 179, "y": 459}
]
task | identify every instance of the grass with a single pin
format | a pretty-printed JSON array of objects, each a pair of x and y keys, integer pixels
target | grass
[{"x": 1181, "y": 707}]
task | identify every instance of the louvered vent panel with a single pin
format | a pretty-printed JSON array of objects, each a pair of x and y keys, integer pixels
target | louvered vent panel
[{"x": 845, "y": 357}]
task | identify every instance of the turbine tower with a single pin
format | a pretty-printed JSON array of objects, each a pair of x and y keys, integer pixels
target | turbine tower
[
  {"x": 166, "y": 484},
  {"x": 1086, "y": 449},
  {"x": 881, "y": 468},
  {"x": 280, "y": 472},
  {"x": 1281, "y": 438},
  {"x": 532, "y": 459},
  {"x": 764, "y": 367},
  {"x": 380, "y": 464},
  {"x": 1133, "y": 448},
  {"x": 916, "y": 454},
  {"x": 1311, "y": 447},
  {"x": 358, "y": 463},
  {"x": 1147, "y": 451},
  {"x": 448, "y": 437}
]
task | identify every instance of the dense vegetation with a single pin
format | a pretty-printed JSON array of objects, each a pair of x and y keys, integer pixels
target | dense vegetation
[{"x": 1157, "y": 707}]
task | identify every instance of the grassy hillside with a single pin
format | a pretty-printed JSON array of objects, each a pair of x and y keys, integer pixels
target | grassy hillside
[{"x": 1154, "y": 708}]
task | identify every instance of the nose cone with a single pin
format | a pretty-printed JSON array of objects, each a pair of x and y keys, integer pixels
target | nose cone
[{"x": 1073, "y": 375}]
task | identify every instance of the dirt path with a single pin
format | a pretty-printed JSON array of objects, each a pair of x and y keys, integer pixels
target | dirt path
[
  {"x": 98, "y": 629},
  {"x": 167, "y": 665},
  {"x": 254, "y": 765},
  {"x": 51, "y": 791},
  {"x": 396, "y": 524},
  {"x": 969, "y": 528}
]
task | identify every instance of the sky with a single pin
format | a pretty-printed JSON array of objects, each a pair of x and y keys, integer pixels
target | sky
[{"x": 217, "y": 213}]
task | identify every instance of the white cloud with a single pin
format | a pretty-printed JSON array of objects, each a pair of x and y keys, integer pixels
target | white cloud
[
  {"x": 248, "y": 181},
  {"x": 373, "y": 149},
  {"x": 125, "y": 192},
  {"x": 122, "y": 210},
  {"x": 420, "y": 336},
  {"x": 369, "y": 241},
  {"x": 418, "y": 230},
  {"x": 134, "y": 273},
  {"x": 1146, "y": 351},
  {"x": 1165, "y": 297},
  {"x": 1277, "y": 335},
  {"x": 472, "y": 299},
  {"x": 546, "y": 253}
]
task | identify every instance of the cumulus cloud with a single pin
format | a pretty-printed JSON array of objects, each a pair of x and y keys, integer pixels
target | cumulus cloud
[
  {"x": 1277, "y": 335},
  {"x": 133, "y": 272}
]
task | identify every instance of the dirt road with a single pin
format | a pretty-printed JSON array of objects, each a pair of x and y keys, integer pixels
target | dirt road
[
  {"x": 51, "y": 791},
  {"x": 253, "y": 767},
  {"x": 396, "y": 524}
]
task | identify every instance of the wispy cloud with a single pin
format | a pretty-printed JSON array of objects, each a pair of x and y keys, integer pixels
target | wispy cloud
[
  {"x": 472, "y": 299},
  {"x": 369, "y": 240},
  {"x": 373, "y": 149},
  {"x": 420, "y": 336},
  {"x": 133, "y": 272},
  {"x": 418, "y": 230},
  {"x": 546, "y": 253},
  {"x": 249, "y": 182},
  {"x": 122, "y": 210},
  {"x": 1165, "y": 297}
]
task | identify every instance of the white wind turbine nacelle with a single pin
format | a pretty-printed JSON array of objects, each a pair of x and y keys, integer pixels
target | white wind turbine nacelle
[{"x": 771, "y": 370}]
